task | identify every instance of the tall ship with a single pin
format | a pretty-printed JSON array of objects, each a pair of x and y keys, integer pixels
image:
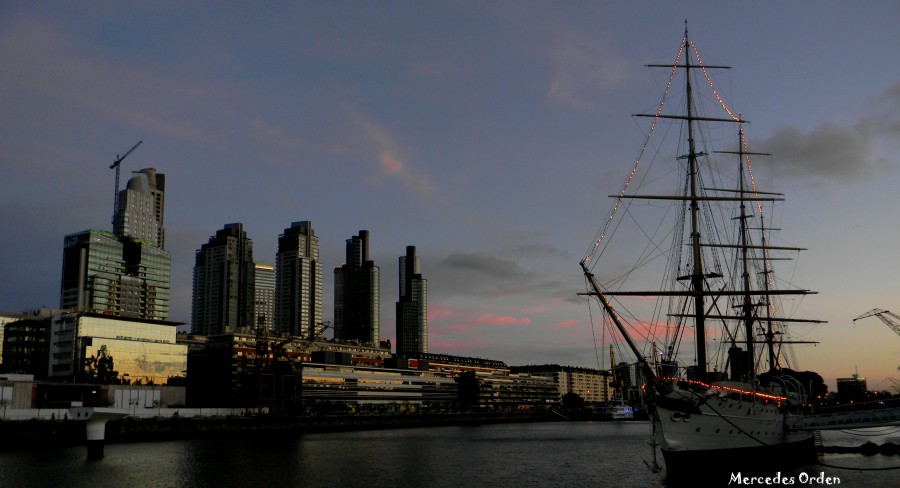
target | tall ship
[{"x": 683, "y": 269}]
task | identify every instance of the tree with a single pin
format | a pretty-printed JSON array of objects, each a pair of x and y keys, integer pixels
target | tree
[
  {"x": 572, "y": 401},
  {"x": 467, "y": 388}
]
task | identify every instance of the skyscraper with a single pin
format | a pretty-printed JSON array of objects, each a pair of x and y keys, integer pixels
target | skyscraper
[
  {"x": 298, "y": 281},
  {"x": 357, "y": 294},
  {"x": 265, "y": 296},
  {"x": 115, "y": 275},
  {"x": 141, "y": 208},
  {"x": 223, "y": 299},
  {"x": 412, "y": 308}
]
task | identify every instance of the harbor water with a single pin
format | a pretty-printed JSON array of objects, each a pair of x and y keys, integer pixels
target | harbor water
[{"x": 564, "y": 454}]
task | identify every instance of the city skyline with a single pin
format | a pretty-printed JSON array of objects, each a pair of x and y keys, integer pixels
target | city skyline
[{"x": 487, "y": 134}]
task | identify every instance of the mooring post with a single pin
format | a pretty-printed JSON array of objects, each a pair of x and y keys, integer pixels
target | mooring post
[{"x": 95, "y": 425}]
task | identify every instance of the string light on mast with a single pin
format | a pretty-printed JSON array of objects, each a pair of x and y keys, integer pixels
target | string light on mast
[{"x": 618, "y": 203}]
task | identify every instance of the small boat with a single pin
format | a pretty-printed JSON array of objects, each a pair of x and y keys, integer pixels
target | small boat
[
  {"x": 616, "y": 408},
  {"x": 701, "y": 265},
  {"x": 612, "y": 410}
]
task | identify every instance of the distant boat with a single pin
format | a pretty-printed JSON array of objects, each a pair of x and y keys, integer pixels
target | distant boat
[
  {"x": 709, "y": 405},
  {"x": 616, "y": 408},
  {"x": 612, "y": 410}
]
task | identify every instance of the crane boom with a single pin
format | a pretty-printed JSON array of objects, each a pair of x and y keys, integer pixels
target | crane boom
[
  {"x": 889, "y": 318},
  {"x": 115, "y": 165}
]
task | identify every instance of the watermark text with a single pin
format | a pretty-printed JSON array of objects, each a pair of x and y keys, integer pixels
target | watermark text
[{"x": 816, "y": 479}]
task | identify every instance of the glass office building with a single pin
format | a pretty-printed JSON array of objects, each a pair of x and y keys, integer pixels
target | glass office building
[
  {"x": 92, "y": 347},
  {"x": 120, "y": 276}
]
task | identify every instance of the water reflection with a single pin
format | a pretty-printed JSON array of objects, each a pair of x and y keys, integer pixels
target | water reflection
[{"x": 575, "y": 454}]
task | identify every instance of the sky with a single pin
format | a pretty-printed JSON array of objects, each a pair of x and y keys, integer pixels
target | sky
[{"x": 487, "y": 134}]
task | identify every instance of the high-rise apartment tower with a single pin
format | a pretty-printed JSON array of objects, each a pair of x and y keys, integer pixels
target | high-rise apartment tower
[
  {"x": 298, "y": 281},
  {"x": 141, "y": 208},
  {"x": 265, "y": 296},
  {"x": 224, "y": 298},
  {"x": 412, "y": 308},
  {"x": 357, "y": 294}
]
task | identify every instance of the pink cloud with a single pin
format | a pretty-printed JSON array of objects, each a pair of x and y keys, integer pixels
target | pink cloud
[
  {"x": 450, "y": 330},
  {"x": 390, "y": 164},
  {"x": 491, "y": 319},
  {"x": 539, "y": 309},
  {"x": 565, "y": 324},
  {"x": 436, "y": 311}
]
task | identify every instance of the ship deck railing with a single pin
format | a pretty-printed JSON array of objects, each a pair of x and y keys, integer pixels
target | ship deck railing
[{"x": 857, "y": 419}]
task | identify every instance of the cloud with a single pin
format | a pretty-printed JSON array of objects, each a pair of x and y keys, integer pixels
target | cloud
[
  {"x": 447, "y": 321},
  {"x": 479, "y": 275},
  {"x": 268, "y": 133},
  {"x": 829, "y": 151},
  {"x": 60, "y": 74},
  {"x": 539, "y": 251},
  {"x": 582, "y": 67},
  {"x": 834, "y": 151},
  {"x": 456, "y": 345},
  {"x": 437, "y": 311},
  {"x": 483, "y": 264},
  {"x": 391, "y": 159},
  {"x": 565, "y": 324},
  {"x": 491, "y": 319},
  {"x": 491, "y": 276}
]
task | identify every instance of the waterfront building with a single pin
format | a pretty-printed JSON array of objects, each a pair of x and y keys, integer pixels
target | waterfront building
[
  {"x": 851, "y": 388},
  {"x": 24, "y": 345},
  {"x": 247, "y": 370},
  {"x": 24, "y": 394},
  {"x": 224, "y": 281},
  {"x": 6, "y": 318},
  {"x": 371, "y": 389},
  {"x": 357, "y": 294},
  {"x": 488, "y": 382},
  {"x": 90, "y": 347},
  {"x": 141, "y": 208},
  {"x": 264, "y": 302},
  {"x": 592, "y": 385},
  {"x": 412, "y": 306},
  {"x": 120, "y": 276},
  {"x": 298, "y": 281}
]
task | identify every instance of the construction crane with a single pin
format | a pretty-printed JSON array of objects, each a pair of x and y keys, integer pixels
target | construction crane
[
  {"x": 283, "y": 367},
  {"x": 890, "y": 319},
  {"x": 115, "y": 165},
  {"x": 302, "y": 344}
]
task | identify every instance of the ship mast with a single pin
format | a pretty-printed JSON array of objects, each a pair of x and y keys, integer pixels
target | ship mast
[
  {"x": 699, "y": 291},
  {"x": 747, "y": 307},
  {"x": 697, "y": 280}
]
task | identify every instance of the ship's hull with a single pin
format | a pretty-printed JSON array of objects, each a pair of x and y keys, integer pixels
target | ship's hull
[
  {"x": 718, "y": 467},
  {"x": 711, "y": 437}
]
